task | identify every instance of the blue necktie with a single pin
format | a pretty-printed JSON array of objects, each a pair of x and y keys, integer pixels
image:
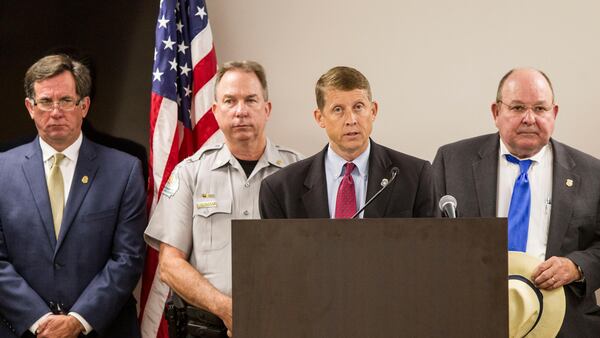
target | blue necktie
[{"x": 520, "y": 203}]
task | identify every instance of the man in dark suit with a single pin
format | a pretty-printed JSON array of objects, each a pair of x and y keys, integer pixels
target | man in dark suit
[
  {"x": 72, "y": 215},
  {"x": 561, "y": 212},
  {"x": 337, "y": 181}
]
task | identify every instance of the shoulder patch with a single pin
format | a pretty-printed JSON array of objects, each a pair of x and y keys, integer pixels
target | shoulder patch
[{"x": 172, "y": 184}]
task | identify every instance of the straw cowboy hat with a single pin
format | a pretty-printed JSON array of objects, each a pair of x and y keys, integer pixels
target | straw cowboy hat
[{"x": 531, "y": 312}]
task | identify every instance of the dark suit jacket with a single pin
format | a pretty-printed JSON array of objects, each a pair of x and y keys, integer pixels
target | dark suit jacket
[
  {"x": 468, "y": 170},
  {"x": 96, "y": 262},
  {"x": 300, "y": 189}
]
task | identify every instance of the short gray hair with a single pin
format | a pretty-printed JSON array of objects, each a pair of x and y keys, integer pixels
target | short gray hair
[{"x": 248, "y": 67}]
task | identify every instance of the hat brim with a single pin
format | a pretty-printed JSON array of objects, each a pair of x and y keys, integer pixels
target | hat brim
[{"x": 554, "y": 301}]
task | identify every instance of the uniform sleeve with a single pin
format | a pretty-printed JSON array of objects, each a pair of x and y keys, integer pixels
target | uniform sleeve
[{"x": 172, "y": 220}]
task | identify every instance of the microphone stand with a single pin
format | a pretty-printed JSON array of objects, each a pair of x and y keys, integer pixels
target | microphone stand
[{"x": 395, "y": 171}]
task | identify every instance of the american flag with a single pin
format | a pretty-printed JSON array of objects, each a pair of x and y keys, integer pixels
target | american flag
[{"x": 181, "y": 120}]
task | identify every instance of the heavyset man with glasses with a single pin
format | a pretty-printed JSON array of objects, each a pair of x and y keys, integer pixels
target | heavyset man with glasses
[
  {"x": 72, "y": 216},
  {"x": 549, "y": 191}
]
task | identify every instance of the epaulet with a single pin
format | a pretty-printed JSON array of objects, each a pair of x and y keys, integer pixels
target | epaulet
[
  {"x": 204, "y": 150},
  {"x": 286, "y": 150}
]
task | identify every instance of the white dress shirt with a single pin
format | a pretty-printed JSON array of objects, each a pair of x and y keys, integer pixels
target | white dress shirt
[
  {"x": 540, "y": 183},
  {"x": 334, "y": 172},
  {"x": 67, "y": 169}
]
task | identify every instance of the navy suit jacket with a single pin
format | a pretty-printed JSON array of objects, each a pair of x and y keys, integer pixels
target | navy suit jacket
[
  {"x": 468, "y": 170},
  {"x": 96, "y": 262},
  {"x": 300, "y": 189}
]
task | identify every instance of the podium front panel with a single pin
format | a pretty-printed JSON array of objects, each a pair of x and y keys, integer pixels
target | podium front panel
[{"x": 370, "y": 278}]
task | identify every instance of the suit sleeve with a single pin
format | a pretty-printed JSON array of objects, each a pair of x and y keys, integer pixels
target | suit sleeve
[
  {"x": 425, "y": 200},
  {"x": 269, "y": 204},
  {"x": 588, "y": 260},
  {"x": 21, "y": 306},
  {"x": 112, "y": 287},
  {"x": 439, "y": 178}
]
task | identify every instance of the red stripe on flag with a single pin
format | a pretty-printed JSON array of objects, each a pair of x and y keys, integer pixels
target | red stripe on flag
[
  {"x": 205, "y": 128},
  {"x": 205, "y": 70}
]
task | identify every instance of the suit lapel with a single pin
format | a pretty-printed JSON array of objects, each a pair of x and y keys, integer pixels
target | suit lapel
[
  {"x": 562, "y": 197},
  {"x": 315, "y": 198},
  {"x": 379, "y": 168},
  {"x": 33, "y": 168},
  {"x": 83, "y": 178},
  {"x": 485, "y": 172}
]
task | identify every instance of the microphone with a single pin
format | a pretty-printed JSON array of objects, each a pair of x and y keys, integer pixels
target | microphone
[
  {"x": 384, "y": 184},
  {"x": 448, "y": 206}
]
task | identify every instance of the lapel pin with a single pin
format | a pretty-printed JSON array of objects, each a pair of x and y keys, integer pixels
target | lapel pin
[
  {"x": 279, "y": 162},
  {"x": 569, "y": 182},
  {"x": 84, "y": 179}
]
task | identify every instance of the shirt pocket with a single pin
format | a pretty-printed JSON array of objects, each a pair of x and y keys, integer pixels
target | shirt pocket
[{"x": 212, "y": 224}]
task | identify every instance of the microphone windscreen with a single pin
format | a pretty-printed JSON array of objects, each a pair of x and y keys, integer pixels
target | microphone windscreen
[{"x": 445, "y": 200}]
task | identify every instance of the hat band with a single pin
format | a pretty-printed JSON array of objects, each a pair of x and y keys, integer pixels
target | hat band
[{"x": 538, "y": 293}]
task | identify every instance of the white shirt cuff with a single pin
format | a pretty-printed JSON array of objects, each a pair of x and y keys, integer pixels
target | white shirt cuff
[
  {"x": 87, "y": 328},
  {"x": 33, "y": 328}
]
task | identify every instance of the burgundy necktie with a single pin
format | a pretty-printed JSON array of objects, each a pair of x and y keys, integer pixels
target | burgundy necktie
[{"x": 345, "y": 205}]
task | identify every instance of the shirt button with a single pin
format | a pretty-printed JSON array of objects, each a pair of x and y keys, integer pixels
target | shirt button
[
  {"x": 246, "y": 213},
  {"x": 247, "y": 185}
]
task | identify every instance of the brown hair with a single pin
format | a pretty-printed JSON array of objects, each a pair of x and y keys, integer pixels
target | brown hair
[
  {"x": 341, "y": 78},
  {"x": 52, "y": 65}
]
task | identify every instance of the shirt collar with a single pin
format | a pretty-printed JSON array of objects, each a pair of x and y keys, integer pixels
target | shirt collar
[
  {"x": 270, "y": 155},
  {"x": 71, "y": 152},
  {"x": 334, "y": 163},
  {"x": 535, "y": 158}
]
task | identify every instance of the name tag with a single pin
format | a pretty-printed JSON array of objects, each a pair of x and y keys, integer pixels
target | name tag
[{"x": 206, "y": 204}]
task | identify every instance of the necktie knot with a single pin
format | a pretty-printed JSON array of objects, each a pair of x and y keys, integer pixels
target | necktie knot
[
  {"x": 523, "y": 164},
  {"x": 349, "y": 168},
  {"x": 57, "y": 158}
]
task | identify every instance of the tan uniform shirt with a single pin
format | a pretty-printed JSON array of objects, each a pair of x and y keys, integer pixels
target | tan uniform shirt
[{"x": 204, "y": 193}]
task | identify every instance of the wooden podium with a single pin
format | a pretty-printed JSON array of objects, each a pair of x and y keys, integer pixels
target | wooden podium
[{"x": 328, "y": 278}]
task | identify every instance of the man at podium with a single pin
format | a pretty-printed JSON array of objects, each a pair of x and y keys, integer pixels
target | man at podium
[
  {"x": 549, "y": 191},
  {"x": 339, "y": 180}
]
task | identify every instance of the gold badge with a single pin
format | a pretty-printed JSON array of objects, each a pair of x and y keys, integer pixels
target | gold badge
[
  {"x": 569, "y": 182},
  {"x": 207, "y": 195},
  {"x": 85, "y": 179},
  {"x": 279, "y": 162}
]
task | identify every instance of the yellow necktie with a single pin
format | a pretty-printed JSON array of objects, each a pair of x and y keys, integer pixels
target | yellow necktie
[{"x": 56, "y": 190}]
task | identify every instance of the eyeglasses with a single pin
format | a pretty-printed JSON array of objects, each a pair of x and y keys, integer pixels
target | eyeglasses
[
  {"x": 66, "y": 104},
  {"x": 522, "y": 109}
]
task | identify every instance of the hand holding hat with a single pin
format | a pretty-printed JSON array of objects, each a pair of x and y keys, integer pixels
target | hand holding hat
[
  {"x": 533, "y": 312},
  {"x": 555, "y": 272}
]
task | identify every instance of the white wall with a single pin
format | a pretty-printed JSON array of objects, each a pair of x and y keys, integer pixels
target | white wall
[{"x": 433, "y": 65}]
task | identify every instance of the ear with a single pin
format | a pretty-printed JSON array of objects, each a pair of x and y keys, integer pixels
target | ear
[
  {"x": 374, "y": 110},
  {"x": 85, "y": 106},
  {"x": 495, "y": 108},
  {"x": 268, "y": 108},
  {"x": 29, "y": 106},
  {"x": 319, "y": 118},
  {"x": 555, "y": 111}
]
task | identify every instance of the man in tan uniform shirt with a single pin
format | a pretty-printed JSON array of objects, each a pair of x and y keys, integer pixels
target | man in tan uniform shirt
[{"x": 191, "y": 226}]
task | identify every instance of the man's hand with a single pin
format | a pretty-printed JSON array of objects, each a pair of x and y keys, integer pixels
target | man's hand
[
  {"x": 554, "y": 273},
  {"x": 59, "y": 326}
]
